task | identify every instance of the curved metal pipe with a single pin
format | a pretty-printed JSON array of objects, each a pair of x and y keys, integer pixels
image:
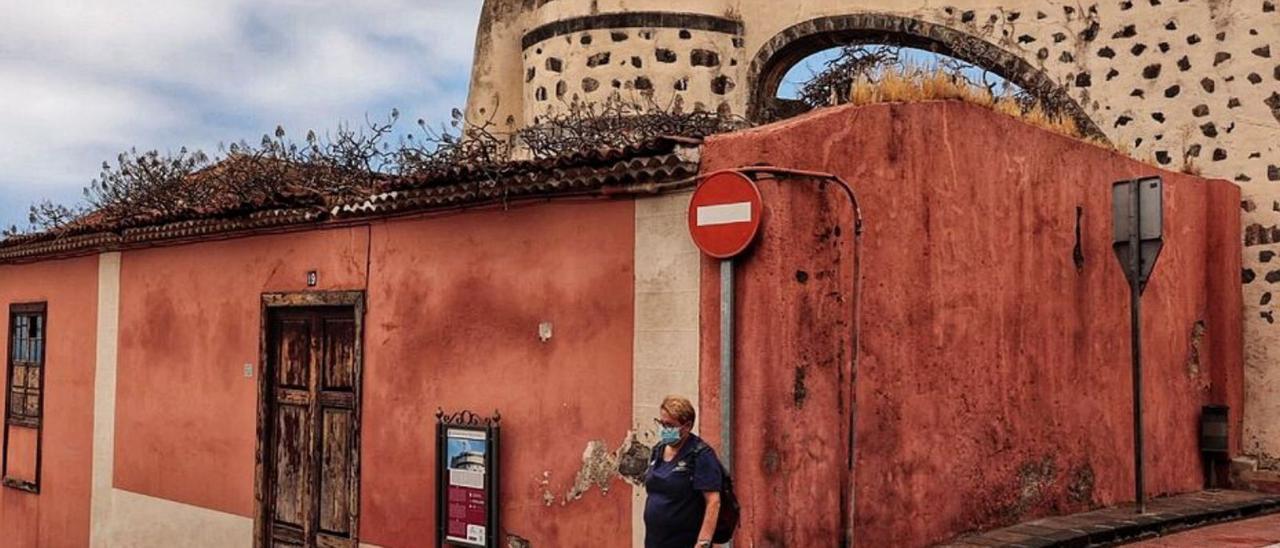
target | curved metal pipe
[{"x": 847, "y": 498}]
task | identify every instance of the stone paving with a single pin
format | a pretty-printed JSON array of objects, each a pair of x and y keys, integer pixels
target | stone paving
[
  {"x": 1263, "y": 532},
  {"x": 1120, "y": 524}
]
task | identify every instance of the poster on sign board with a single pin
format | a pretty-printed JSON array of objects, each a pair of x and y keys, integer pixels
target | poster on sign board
[
  {"x": 467, "y": 505},
  {"x": 467, "y": 515}
]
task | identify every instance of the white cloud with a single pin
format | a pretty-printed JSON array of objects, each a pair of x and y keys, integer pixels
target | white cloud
[{"x": 82, "y": 80}]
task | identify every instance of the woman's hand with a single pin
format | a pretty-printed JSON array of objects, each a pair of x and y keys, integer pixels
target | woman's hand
[{"x": 709, "y": 519}]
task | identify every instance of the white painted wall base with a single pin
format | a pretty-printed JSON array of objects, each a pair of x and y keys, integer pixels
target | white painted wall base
[
  {"x": 118, "y": 518},
  {"x": 140, "y": 521},
  {"x": 667, "y": 290},
  {"x": 104, "y": 397}
]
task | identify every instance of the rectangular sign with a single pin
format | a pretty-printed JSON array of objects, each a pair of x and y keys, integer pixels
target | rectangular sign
[
  {"x": 724, "y": 214},
  {"x": 1138, "y": 218},
  {"x": 467, "y": 516},
  {"x": 466, "y": 461},
  {"x": 467, "y": 486},
  {"x": 1149, "y": 210}
]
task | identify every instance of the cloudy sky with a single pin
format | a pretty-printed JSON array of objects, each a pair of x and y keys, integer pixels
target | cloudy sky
[{"x": 81, "y": 81}]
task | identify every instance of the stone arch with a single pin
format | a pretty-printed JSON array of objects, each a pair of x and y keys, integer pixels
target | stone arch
[{"x": 793, "y": 44}]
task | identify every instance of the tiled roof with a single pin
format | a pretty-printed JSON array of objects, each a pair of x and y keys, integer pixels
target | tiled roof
[{"x": 633, "y": 169}]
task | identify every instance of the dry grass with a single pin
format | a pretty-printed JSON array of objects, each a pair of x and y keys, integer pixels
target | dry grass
[
  {"x": 1190, "y": 167},
  {"x": 914, "y": 84},
  {"x": 1189, "y": 164}
]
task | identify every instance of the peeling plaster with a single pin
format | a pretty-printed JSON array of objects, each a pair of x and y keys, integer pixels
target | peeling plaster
[
  {"x": 548, "y": 498},
  {"x": 1193, "y": 355},
  {"x": 600, "y": 467},
  {"x": 633, "y": 460}
]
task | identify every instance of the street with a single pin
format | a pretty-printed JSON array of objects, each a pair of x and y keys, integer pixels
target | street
[{"x": 1262, "y": 532}]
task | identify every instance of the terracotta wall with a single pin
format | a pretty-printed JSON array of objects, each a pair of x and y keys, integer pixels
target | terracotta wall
[
  {"x": 59, "y": 514},
  {"x": 1181, "y": 83},
  {"x": 186, "y": 423},
  {"x": 453, "y": 319},
  {"x": 993, "y": 380},
  {"x": 793, "y": 375}
]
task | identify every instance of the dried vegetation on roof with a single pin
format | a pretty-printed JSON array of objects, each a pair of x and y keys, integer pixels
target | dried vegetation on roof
[
  {"x": 905, "y": 86},
  {"x": 862, "y": 74},
  {"x": 349, "y": 165}
]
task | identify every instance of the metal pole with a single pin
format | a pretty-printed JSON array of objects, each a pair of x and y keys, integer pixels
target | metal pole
[
  {"x": 726, "y": 365},
  {"x": 847, "y": 494},
  {"x": 726, "y": 362},
  {"x": 1135, "y": 322}
]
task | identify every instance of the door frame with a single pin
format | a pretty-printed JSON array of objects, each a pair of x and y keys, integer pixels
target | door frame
[{"x": 271, "y": 301}]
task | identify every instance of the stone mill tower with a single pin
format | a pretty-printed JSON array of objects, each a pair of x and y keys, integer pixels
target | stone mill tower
[{"x": 537, "y": 57}]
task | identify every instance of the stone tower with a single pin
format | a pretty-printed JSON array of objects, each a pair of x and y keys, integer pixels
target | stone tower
[{"x": 1184, "y": 84}]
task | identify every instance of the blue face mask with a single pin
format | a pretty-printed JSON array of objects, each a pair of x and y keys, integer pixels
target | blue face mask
[{"x": 669, "y": 435}]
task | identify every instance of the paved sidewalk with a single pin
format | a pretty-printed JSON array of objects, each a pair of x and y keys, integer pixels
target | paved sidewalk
[
  {"x": 1263, "y": 532},
  {"x": 1112, "y": 526}
]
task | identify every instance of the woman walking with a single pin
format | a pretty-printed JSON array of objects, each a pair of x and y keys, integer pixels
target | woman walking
[{"x": 683, "y": 482}]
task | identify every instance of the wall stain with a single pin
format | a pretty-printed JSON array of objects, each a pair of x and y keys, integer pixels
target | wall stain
[
  {"x": 772, "y": 461},
  {"x": 1080, "y": 489},
  {"x": 1077, "y": 253},
  {"x": 799, "y": 392},
  {"x": 1035, "y": 479},
  {"x": 1198, "y": 330}
]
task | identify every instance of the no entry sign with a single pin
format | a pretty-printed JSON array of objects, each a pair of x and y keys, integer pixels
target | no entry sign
[{"x": 724, "y": 214}]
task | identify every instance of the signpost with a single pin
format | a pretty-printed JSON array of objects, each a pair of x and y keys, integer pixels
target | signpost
[
  {"x": 467, "y": 490},
  {"x": 724, "y": 217},
  {"x": 1138, "y": 225}
]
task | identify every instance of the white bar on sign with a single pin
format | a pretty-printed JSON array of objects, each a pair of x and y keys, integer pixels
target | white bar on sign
[
  {"x": 465, "y": 434},
  {"x": 724, "y": 214},
  {"x": 466, "y": 478}
]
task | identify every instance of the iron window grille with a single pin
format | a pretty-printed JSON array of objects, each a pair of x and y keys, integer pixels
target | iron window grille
[{"x": 24, "y": 381}]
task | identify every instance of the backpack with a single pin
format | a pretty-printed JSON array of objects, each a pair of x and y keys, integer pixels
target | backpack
[{"x": 730, "y": 511}]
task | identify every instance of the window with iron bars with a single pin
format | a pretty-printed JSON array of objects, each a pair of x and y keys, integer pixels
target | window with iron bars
[{"x": 25, "y": 384}]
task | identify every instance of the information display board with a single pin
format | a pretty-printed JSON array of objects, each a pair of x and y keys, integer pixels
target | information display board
[{"x": 467, "y": 486}]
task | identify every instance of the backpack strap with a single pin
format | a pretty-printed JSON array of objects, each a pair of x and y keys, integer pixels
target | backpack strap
[{"x": 701, "y": 448}]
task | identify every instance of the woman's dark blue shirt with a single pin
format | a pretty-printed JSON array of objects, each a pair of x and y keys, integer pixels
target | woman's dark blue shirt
[{"x": 674, "y": 510}]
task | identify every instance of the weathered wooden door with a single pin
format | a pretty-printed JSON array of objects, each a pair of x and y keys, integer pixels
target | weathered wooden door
[{"x": 310, "y": 488}]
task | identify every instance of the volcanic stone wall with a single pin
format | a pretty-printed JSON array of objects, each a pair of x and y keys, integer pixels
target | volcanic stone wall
[{"x": 669, "y": 59}]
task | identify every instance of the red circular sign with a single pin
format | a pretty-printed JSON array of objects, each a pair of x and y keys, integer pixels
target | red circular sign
[{"x": 724, "y": 214}]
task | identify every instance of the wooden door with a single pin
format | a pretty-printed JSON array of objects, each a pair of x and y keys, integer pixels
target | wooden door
[{"x": 311, "y": 447}]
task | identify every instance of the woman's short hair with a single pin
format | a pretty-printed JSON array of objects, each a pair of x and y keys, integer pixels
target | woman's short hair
[{"x": 680, "y": 409}]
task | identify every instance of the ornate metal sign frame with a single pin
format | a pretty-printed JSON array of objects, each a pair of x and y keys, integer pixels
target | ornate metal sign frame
[{"x": 467, "y": 428}]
